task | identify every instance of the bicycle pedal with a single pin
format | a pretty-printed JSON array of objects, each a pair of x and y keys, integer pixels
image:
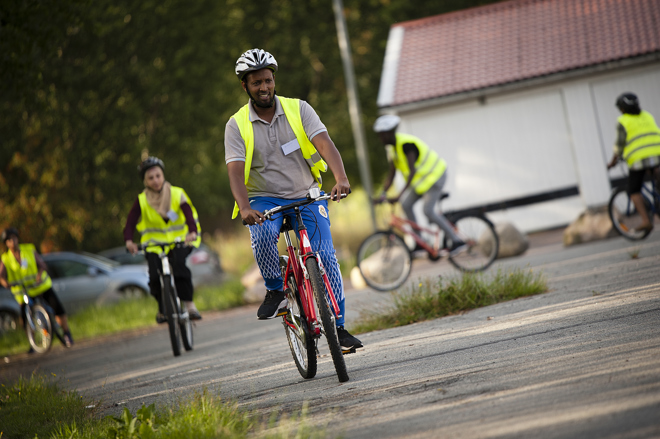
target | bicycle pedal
[{"x": 348, "y": 351}]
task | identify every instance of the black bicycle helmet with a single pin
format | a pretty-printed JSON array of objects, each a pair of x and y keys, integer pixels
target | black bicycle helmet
[
  {"x": 8, "y": 233},
  {"x": 148, "y": 163},
  {"x": 628, "y": 103},
  {"x": 253, "y": 60}
]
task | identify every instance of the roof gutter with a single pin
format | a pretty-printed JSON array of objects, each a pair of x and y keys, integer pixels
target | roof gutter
[{"x": 522, "y": 84}]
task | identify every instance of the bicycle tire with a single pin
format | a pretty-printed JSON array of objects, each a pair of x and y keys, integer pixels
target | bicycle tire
[
  {"x": 327, "y": 318},
  {"x": 186, "y": 329},
  {"x": 384, "y": 260},
  {"x": 171, "y": 314},
  {"x": 301, "y": 343},
  {"x": 483, "y": 243},
  {"x": 624, "y": 215},
  {"x": 56, "y": 328},
  {"x": 41, "y": 337}
]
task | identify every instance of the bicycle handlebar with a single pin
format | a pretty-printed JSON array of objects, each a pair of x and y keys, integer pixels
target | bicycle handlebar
[
  {"x": 270, "y": 212},
  {"x": 176, "y": 243}
]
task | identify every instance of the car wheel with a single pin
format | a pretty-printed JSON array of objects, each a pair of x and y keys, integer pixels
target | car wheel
[
  {"x": 8, "y": 321},
  {"x": 133, "y": 292}
]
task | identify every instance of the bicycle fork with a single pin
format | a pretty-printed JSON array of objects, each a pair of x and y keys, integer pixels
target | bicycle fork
[{"x": 165, "y": 262}]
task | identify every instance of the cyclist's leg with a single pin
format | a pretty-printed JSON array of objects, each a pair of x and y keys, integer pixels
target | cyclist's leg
[
  {"x": 155, "y": 266},
  {"x": 635, "y": 182},
  {"x": 431, "y": 198},
  {"x": 53, "y": 301},
  {"x": 183, "y": 279},
  {"x": 408, "y": 200},
  {"x": 264, "y": 239}
]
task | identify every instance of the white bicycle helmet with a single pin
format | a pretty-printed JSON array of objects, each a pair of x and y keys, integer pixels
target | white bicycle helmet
[
  {"x": 386, "y": 122},
  {"x": 254, "y": 59}
]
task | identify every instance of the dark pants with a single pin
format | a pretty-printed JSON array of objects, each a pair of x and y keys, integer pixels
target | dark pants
[{"x": 180, "y": 272}]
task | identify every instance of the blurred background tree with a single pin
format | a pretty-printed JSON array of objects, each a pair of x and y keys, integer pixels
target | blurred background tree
[{"x": 89, "y": 88}]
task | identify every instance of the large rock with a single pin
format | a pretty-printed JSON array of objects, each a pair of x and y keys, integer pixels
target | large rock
[
  {"x": 592, "y": 225},
  {"x": 512, "y": 241}
]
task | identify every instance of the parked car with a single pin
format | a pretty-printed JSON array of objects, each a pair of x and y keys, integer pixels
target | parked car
[
  {"x": 82, "y": 279},
  {"x": 204, "y": 262}
]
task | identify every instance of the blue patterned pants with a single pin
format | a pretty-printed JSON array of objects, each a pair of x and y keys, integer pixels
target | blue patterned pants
[{"x": 264, "y": 240}]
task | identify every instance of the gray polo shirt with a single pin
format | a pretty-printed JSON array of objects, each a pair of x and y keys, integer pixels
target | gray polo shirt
[{"x": 278, "y": 168}]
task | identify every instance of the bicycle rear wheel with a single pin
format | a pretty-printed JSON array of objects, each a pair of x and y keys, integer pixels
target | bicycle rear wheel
[
  {"x": 384, "y": 261},
  {"x": 171, "y": 313},
  {"x": 327, "y": 318},
  {"x": 39, "y": 329},
  {"x": 186, "y": 328},
  {"x": 624, "y": 215},
  {"x": 483, "y": 244},
  {"x": 300, "y": 340}
]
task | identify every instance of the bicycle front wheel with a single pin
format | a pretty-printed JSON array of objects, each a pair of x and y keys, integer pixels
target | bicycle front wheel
[
  {"x": 482, "y": 241},
  {"x": 384, "y": 261},
  {"x": 327, "y": 318},
  {"x": 625, "y": 216},
  {"x": 172, "y": 315},
  {"x": 39, "y": 329},
  {"x": 297, "y": 330}
]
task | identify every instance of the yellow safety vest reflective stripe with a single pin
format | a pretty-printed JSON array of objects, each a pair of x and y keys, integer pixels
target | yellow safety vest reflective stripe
[
  {"x": 429, "y": 167},
  {"x": 25, "y": 272},
  {"x": 153, "y": 227},
  {"x": 642, "y": 137},
  {"x": 291, "y": 109}
]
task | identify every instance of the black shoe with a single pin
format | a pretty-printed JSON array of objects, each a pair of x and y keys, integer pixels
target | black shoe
[
  {"x": 457, "y": 248},
  {"x": 346, "y": 340},
  {"x": 194, "y": 315},
  {"x": 160, "y": 318},
  {"x": 68, "y": 339},
  {"x": 31, "y": 351},
  {"x": 274, "y": 305}
]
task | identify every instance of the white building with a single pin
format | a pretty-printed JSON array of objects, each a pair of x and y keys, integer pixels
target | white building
[{"x": 519, "y": 96}]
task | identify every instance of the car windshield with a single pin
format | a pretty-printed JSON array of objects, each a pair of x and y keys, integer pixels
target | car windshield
[{"x": 101, "y": 259}]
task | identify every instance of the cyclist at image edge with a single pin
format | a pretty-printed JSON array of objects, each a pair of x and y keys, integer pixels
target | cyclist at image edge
[
  {"x": 163, "y": 213},
  {"x": 425, "y": 173},
  {"x": 22, "y": 264},
  {"x": 638, "y": 143},
  {"x": 275, "y": 150}
]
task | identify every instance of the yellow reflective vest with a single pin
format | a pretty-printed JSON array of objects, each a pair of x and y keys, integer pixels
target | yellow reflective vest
[
  {"x": 429, "y": 167},
  {"x": 642, "y": 137},
  {"x": 291, "y": 109},
  {"x": 25, "y": 272},
  {"x": 153, "y": 227}
]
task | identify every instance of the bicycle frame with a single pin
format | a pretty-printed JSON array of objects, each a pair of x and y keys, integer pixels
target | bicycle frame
[
  {"x": 296, "y": 266},
  {"x": 399, "y": 223}
]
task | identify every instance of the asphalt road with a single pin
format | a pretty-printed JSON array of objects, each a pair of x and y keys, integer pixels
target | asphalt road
[{"x": 580, "y": 361}]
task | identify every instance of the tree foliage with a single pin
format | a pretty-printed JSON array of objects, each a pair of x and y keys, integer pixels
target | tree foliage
[{"x": 88, "y": 88}]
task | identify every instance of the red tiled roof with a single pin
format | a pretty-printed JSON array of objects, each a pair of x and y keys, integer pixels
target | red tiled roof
[{"x": 516, "y": 40}]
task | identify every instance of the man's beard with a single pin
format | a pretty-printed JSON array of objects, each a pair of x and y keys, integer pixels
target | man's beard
[{"x": 259, "y": 104}]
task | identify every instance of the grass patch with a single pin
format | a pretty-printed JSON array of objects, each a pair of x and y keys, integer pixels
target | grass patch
[
  {"x": 432, "y": 299},
  {"x": 126, "y": 315},
  {"x": 59, "y": 414}
]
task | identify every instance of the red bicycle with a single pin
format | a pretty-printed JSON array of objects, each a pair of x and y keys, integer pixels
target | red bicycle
[{"x": 312, "y": 309}]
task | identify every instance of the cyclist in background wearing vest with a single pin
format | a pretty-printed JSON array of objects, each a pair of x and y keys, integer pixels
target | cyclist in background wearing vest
[
  {"x": 22, "y": 264},
  {"x": 163, "y": 213},
  {"x": 425, "y": 173},
  {"x": 638, "y": 143},
  {"x": 275, "y": 150}
]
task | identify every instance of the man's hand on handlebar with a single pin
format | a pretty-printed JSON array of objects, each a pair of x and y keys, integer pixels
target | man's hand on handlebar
[
  {"x": 342, "y": 187},
  {"x": 190, "y": 237},
  {"x": 131, "y": 247},
  {"x": 252, "y": 217}
]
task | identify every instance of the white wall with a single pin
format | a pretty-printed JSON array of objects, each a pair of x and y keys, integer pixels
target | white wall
[{"x": 529, "y": 142}]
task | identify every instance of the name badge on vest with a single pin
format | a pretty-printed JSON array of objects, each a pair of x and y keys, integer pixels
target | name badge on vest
[
  {"x": 172, "y": 215},
  {"x": 291, "y": 146}
]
